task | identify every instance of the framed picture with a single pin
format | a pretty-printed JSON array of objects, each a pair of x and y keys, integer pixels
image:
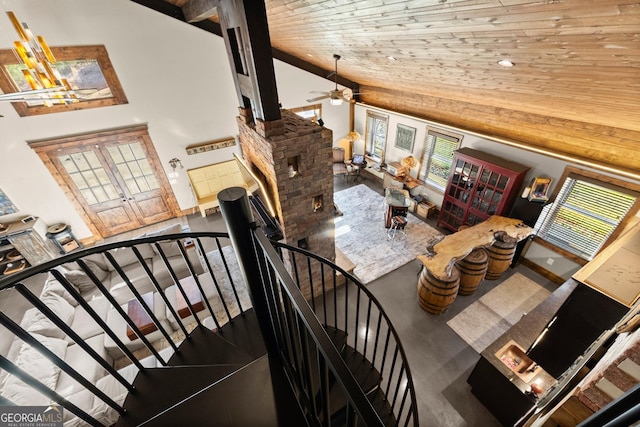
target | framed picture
[
  {"x": 405, "y": 136},
  {"x": 539, "y": 189}
]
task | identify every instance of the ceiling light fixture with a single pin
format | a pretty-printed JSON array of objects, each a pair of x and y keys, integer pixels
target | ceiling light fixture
[
  {"x": 391, "y": 58},
  {"x": 335, "y": 101},
  {"x": 39, "y": 70},
  {"x": 506, "y": 63}
]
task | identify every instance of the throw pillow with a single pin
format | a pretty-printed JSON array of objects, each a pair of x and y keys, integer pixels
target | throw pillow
[
  {"x": 52, "y": 285},
  {"x": 97, "y": 269},
  {"x": 38, "y": 323},
  {"x": 126, "y": 256},
  {"x": 170, "y": 249},
  {"x": 37, "y": 365},
  {"x": 81, "y": 280}
]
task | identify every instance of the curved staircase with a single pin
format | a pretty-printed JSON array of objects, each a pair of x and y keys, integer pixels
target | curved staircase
[
  {"x": 212, "y": 365},
  {"x": 331, "y": 359}
]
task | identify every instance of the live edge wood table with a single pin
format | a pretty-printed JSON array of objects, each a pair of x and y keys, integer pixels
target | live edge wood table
[
  {"x": 439, "y": 280},
  {"x": 140, "y": 317},
  {"x": 456, "y": 246}
]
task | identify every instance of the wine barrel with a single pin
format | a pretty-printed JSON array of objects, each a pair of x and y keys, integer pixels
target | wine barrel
[
  {"x": 436, "y": 295},
  {"x": 500, "y": 257},
  {"x": 472, "y": 268}
]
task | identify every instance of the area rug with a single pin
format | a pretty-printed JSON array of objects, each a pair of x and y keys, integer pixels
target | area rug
[
  {"x": 362, "y": 237},
  {"x": 494, "y": 313}
]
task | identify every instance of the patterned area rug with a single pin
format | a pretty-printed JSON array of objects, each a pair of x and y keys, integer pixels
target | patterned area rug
[
  {"x": 494, "y": 313},
  {"x": 362, "y": 237}
]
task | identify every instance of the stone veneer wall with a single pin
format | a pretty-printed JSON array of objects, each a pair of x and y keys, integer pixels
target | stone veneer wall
[{"x": 272, "y": 147}]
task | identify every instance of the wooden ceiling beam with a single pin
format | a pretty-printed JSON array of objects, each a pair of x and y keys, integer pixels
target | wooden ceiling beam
[
  {"x": 199, "y": 10},
  {"x": 208, "y": 25}
]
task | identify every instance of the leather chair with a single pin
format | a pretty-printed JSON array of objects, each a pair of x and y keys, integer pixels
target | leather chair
[{"x": 339, "y": 165}]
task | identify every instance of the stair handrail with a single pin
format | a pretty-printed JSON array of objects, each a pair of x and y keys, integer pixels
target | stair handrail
[
  {"x": 350, "y": 278},
  {"x": 16, "y": 282},
  {"x": 261, "y": 267},
  {"x": 336, "y": 363}
]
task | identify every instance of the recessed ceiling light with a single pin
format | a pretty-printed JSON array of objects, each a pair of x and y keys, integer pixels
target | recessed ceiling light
[
  {"x": 506, "y": 63},
  {"x": 391, "y": 58}
]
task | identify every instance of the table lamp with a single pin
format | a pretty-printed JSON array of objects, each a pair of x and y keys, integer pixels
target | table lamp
[{"x": 409, "y": 162}]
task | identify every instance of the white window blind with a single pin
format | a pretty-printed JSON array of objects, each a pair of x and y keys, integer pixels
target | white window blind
[
  {"x": 583, "y": 216},
  {"x": 437, "y": 158},
  {"x": 376, "y": 135}
]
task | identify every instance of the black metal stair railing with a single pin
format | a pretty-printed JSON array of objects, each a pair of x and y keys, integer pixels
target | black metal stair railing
[
  {"x": 346, "y": 307},
  {"x": 325, "y": 359},
  {"x": 330, "y": 368},
  {"x": 316, "y": 370},
  {"x": 23, "y": 289}
]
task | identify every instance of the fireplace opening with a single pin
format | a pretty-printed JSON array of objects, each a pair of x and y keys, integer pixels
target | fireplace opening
[
  {"x": 292, "y": 165},
  {"x": 317, "y": 203}
]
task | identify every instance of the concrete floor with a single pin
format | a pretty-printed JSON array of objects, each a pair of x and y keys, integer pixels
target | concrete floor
[{"x": 439, "y": 359}]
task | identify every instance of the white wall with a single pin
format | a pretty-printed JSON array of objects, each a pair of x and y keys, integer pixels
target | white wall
[
  {"x": 541, "y": 166},
  {"x": 294, "y": 88},
  {"x": 177, "y": 80}
]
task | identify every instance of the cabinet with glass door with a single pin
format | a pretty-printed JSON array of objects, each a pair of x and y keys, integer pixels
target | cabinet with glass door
[{"x": 480, "y": 185}]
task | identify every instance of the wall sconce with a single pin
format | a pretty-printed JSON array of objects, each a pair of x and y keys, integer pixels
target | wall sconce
[{"x": 175, "y": 162}]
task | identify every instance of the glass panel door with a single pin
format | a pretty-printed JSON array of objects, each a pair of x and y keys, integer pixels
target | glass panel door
[
  {"x": 89, "y": 176},
  {"x": 134, "y": 168}
]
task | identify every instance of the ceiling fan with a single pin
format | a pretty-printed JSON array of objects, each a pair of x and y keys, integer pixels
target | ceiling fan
[{"x": 336, "y": 96}]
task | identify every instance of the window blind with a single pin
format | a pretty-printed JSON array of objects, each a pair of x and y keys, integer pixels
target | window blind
[
  {"x": 437, "y": 158},
  {"x": 583, "y": 217}
]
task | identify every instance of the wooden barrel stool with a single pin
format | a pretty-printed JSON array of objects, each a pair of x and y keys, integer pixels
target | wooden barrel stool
[
  {"x": 472, "y": 268},
  {"x": 436, "y": 295},
  {"x": 500, "y": 257}
]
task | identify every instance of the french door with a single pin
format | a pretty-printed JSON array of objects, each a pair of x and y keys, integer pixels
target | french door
[{"x": 114, "y": 177}]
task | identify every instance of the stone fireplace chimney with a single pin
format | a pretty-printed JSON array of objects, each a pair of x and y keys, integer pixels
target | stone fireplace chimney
[{"x": 294, "y": 156}]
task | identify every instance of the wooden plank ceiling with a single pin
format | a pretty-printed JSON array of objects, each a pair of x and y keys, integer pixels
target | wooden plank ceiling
[{"x": 574, "y": 89}]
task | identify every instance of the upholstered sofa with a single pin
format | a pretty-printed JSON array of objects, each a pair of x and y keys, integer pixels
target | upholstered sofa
[{"x": 62, "y": 303}]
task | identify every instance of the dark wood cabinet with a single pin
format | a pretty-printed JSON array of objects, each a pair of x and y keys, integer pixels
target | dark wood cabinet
[{"x": 480, "y": 185}]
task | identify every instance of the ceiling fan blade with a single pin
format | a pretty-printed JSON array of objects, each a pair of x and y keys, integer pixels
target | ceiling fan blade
[
  {"x": 319, "y": 91},
  {"x": 318, "y": 98}
]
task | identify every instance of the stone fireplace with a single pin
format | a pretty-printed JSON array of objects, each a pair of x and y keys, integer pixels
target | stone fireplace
[{"x": 294, "y": 157}]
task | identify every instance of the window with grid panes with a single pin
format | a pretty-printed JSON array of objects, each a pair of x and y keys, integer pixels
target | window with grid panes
[
  {"x": 584, "y": 215},
  {"x": 376, "y": 135},
  {"x": 437, "y": 157}
]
